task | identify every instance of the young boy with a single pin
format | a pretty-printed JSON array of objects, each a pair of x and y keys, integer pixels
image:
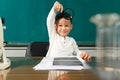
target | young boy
[{"x": 59, "y": 26}]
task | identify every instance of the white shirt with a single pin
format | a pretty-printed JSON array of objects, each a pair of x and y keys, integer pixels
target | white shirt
[{"x": 59, "y": 46}]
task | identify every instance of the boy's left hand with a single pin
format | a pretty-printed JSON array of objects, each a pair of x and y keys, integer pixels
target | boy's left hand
[{"x": 85, "y": 56}]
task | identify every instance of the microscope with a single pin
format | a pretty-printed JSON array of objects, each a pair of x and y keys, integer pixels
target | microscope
[{"x": 4, "y": 61}]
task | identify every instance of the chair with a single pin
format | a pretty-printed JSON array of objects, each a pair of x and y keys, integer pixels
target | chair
[{"x": 37, "y": 49}]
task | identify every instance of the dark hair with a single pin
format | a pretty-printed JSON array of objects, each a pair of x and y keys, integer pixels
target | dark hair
[{"x": 65, "y": 15}]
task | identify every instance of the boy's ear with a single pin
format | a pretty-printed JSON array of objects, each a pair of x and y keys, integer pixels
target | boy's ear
[{"x": 55, "y": 26}]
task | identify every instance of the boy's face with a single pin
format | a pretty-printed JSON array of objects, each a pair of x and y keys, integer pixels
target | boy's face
[{"x": 63, "y": 27}]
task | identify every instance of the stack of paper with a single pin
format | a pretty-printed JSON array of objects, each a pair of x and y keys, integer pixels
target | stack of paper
[{"x": 61, "y": 63}]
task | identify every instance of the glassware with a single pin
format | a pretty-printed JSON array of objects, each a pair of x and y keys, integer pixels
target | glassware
[{"x": 107, "y": 45}]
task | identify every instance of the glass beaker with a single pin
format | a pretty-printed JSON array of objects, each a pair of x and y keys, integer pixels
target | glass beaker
[
  {"x": 107, "y": 45},
  {"x": 105, "y": 35}
]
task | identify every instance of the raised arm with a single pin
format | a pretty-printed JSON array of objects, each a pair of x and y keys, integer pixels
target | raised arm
[{"x": 57, "y": 7}]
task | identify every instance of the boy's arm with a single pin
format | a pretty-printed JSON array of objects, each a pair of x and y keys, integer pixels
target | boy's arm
[
  {"x": 57, "y": 7},
  {"x": 50, "y": 22},
  {"x": 79, "y": 53}
]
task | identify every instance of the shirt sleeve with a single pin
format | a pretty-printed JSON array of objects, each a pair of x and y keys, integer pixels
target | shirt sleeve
[
  {"x": 76, "y": 48},
  {"x": 50, "y": 23}
]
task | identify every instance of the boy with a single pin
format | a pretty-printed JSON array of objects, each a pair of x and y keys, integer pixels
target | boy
[{"x": 59, "y": 27}]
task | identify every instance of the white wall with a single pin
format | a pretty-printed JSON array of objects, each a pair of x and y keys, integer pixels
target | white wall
[{"x": 15, "y": 51}]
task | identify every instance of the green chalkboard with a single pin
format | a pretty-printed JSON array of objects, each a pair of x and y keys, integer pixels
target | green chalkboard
[{"x": 25, "y": 20}]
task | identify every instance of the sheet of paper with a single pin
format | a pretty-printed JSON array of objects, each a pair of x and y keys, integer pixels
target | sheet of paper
[{"x": 47, "y": 64}]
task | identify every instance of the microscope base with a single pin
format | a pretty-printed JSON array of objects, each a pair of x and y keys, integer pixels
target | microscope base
[{"x": 6, "y": 64}]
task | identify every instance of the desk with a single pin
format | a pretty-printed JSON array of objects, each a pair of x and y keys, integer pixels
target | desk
[{"x": 22, "y": 69}]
